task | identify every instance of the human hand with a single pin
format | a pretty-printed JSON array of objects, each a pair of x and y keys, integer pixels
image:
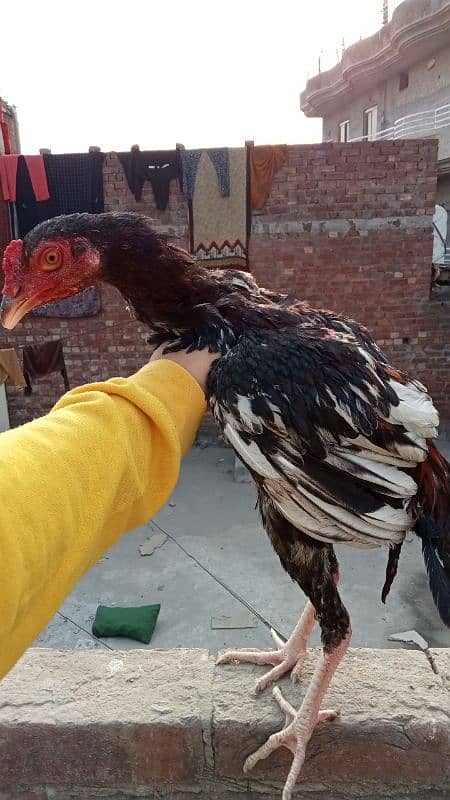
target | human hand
[{"x": 198, "y": 363}]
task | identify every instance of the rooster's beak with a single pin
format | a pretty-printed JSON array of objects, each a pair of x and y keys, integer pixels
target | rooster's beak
[{"x": 12, "y": 311}]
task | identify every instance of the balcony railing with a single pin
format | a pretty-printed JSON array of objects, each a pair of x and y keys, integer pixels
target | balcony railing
[{"x": 414, "y": 126}]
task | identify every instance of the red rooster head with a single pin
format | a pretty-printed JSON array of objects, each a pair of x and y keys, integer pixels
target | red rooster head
[
  {"x": 66, "y": 254},
  {"x": 56, "y": 269}
]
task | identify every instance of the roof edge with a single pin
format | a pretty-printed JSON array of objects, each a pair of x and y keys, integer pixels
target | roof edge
[{"x": 376, "y": 54}]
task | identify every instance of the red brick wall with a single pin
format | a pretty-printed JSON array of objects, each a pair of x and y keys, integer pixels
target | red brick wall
[{"x": 346, "y": 227}]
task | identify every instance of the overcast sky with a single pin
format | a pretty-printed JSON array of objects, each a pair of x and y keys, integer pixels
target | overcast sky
[{"x": 156, "y": 73}]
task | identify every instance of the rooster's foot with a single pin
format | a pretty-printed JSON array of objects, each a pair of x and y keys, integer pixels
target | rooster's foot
[{"x": 284, "y": 659}]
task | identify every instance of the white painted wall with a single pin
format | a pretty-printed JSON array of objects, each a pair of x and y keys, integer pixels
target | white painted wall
[{"x": 428, "y": 88}]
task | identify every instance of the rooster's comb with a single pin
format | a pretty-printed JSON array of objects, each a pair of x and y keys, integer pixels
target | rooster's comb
[{"x": 12, "y": 258}]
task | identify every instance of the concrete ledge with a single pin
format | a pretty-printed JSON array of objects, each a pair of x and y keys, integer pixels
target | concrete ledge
[{"x": 169, "y": 724}]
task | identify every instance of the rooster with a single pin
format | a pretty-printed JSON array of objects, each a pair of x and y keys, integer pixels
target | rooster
[{"x": 338, "y": 441}]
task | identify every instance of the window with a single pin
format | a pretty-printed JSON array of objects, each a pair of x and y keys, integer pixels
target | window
[
  {"x": 344, "y": 131},
  {"x": 370, "y": 123},
  {"x": 403, "y": 81}
]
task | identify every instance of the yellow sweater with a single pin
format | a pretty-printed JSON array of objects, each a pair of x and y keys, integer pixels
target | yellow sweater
[{"x": 102, "y": 462}]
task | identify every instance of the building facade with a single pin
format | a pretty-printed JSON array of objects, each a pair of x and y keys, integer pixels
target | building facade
[{"x": 394, "y": 84}]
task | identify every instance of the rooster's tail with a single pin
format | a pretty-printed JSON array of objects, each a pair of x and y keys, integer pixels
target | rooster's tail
[{"x": 433, "y": 526}]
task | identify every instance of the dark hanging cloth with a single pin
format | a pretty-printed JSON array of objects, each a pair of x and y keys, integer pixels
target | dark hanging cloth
[
  {"x": 75, "y": 183},
  {"x": 42, "y": 359},
  {"x": 29, "y": 211},
  {"x": 159, "y": 167},
  {"x": 219, "y": 157},
  {"x": 189, "y": 166}
]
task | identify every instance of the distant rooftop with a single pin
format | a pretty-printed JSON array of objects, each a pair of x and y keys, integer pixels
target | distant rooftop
[{"x": 418, "y": 28}]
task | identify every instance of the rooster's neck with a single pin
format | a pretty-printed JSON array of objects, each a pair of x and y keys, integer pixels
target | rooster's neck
[{"x": 175, "y": 297}]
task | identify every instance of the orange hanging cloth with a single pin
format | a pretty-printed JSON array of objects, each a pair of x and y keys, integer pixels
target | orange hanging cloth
[{"x": 265, "y": 161}]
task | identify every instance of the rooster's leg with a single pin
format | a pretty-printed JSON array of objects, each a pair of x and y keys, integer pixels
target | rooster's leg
[
  {"x": 288, "y": 657},
  {"x": 300, "y": 725}
]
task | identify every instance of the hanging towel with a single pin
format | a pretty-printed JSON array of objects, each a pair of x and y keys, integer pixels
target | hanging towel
[
  {"x": 38, "y": 177},
  {"x": 8, "y": 177},
  {"x": 10, "y": 369},
  {"x": 40, "y": 360},
  {"x": 159, "y": 167},
  {"x": 265, "y": 161},
  {"x": 189, "y": 166},
  {"x": 220, "y": 223}
]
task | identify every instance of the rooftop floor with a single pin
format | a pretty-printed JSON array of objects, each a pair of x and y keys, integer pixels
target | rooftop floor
[{"x": 217, "y": 562}]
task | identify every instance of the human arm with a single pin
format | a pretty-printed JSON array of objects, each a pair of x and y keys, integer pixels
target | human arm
[{"x": 102, "y": 462}]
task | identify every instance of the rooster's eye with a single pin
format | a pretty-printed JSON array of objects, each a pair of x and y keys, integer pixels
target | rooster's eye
[{"x": 51, "y": 258}]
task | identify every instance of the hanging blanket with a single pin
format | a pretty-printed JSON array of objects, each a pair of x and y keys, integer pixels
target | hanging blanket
[
  {"x": 220, "y": 223},
  {"x": 75, "y": 183}
]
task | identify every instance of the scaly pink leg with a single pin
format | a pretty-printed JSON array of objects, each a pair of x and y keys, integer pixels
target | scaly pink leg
[
  {"x": 300, "y": 725},
  {"x": 288, "y": 657}
]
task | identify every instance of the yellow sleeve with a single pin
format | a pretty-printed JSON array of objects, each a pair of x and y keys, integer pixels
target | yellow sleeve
[{"x": 102, "y": 462}]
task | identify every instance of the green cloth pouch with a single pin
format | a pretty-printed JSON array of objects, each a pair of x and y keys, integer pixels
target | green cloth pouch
[{"x": 134, "y": 623}]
